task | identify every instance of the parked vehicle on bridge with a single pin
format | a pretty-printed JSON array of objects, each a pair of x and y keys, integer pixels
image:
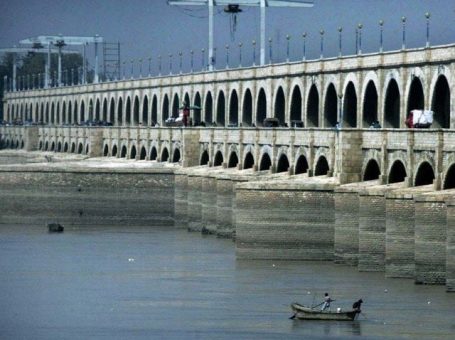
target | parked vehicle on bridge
[{"x": 419, "y": 119}]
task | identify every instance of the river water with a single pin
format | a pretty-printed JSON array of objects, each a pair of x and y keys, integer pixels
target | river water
[{"x": 166, "y": 283}]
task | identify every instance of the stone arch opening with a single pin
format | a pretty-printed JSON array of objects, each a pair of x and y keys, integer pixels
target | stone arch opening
[
  {"x": 313, "y": 107},
  {"x": 86, "y": 149},
  {"x": 372, "y": 170},
  {"x": 164, "y": 155},
  {"x": 449, "y": 182},
  {"x": 52, "y": 146},
  {"x": 416, "y": 99},
  {"x": 197, "y": 110},
  {"x": 425, "y": 174},
  {"x": 397, "y": 172},
  {"x": 120, "y": 112},
  {"x": 331, "y": 107},
  {"x": 165, "y": 110},
  {"x": 133, "y": 152},
  {"x": 114, "y": 151},
  {"x": 112, "y": 111},
  {"x": 153, "y": 154},
  {"x": 154, "y": 111},
  {"x": 248, "y": 163},
  {"x": 301, "y": 166},
  {"x": 145, "y": 111},
  {"x": 46, "y": 115},
  {"x": 75, "y": 121},
  {"x": 63, "y": 113},
  {"x": 296, "y": 104},
  {"x": 135, "y": 120},
  {"x": 123, "y": 152},
  {"x": 280, "y": 104},
  {"x": 208, "y": 108},
  {"x": 266, "y": 162},
  {"x": 233, "y": 160},
  {"x": 204, "y": 158},
  {"x": 65, "y": 147},
  {"x": 176, "y": 156},
  {"x": 128, "y": 111},
  {"x": 261, "y": 111},
  {"x": 143, "y": 154},
  {"x": 52, "y": 114},
  {"x": 175, "y": 106},
  {"x": 322, "y": 167},
  {"x": 350, "y": 106},
  {"x": 106, "y": 151},
  {"x": 80, "y": 148},
  {"x": 90, "y": 110},
  {"x": 22, "y": 144},
  {"x": 234, "y": 109},
  {"x": 104, "y": 117},
  {"x": 283, "y": 164},
  {"x": 441, "y": 103},
  {"x": 370, "y": 105},
  {"x": 73, "y": 148},
  {"x": 218, "y": 159},
  {"x": 220, "y": 109},
  {"x": 97, "y": 110},
  {"x": 59, "y": 147},
  {"x": 247, "y": 109},
  {"x": 392, "y": 105}
]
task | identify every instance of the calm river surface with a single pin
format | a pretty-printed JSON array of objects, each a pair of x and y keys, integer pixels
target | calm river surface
[{"x": 166, "y": 283}]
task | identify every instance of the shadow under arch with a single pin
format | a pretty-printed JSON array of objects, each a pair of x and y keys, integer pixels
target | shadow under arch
[
  {"x": 283, "y": 164},
  {"x": 425, "y": 174},
  {"x": 204, "y": 158},
  {"x": 164, "y": 155},
  {"x": 301, "y": 166},
  {"x": 233, "y": 160},
  {"x": 372, "y": 170},
  {"x": 153, "y": 154},
  {"x": 449, "y": 182},
  {"x": 266, "y": 162},
  {"x": 218, "y": 159},
  {"x": 248, "y": 163},
  {"x": 322, "y": 166},
  {"x": 176, "y": 156},
  {"x": 397, "y": 172}
]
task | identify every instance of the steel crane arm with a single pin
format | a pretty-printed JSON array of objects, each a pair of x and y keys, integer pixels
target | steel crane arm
[{"x": 69, "y": 40}]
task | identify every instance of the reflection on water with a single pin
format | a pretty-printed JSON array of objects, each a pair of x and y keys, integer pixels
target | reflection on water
[{"x": 167, "y": 283}]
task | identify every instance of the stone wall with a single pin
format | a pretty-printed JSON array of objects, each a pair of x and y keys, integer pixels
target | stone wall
[
  {"x": 37, "y": 194},
  {"x": 450, "y": 263}
]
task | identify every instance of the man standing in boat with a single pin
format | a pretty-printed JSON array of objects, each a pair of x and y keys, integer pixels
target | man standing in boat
[{"x": 326, "y": 303}]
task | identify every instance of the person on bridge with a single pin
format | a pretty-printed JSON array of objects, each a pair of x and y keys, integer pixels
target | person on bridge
[{"x": 186, "y": 113}]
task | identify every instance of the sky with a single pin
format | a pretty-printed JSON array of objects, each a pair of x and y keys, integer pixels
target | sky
[{"x": 148, "y": 28}]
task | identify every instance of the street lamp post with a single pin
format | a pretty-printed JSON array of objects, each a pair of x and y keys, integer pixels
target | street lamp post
[
  {"x": 191, "y": 60},
  {"x": 203, "y": 58},
  {"x": 403, "y": 43},
  {"x": 270, "y": 50},
  {"x": 150, "y": 66},
  {"x": 322, "y": 43},
  {"x": 360, "y": 26},
  {"x": 288, "y": 38},
  {"x": 140, "y": 67},
  {"x": 304, "y": 45},
  {"x": 240, "y": 54},
  {"x": 340, "y": 30},
  {"x": 427, "y": 16},
  {"x": 227, "y": 56},
  {"x": 180, "y": 61},
  {"x": 170, "y": 63},
  {"x": 254, "y": 52},
  {"x": 132, "y": 68},
  {"x": 381, "y": 26}
]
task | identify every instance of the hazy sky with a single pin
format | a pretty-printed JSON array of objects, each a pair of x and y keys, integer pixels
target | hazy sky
[{"x": 151, "y": 27}]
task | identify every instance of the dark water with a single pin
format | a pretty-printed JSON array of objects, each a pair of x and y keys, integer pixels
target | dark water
[{"x": 165, "y": 283}]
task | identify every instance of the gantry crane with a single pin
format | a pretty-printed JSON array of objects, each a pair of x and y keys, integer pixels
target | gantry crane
[
  {"x": 233, "y": 4},
  {"x": 60, "y": 41}
]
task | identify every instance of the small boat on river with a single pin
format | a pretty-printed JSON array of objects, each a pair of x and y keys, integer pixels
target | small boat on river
[{"x": 307, "y": 313}]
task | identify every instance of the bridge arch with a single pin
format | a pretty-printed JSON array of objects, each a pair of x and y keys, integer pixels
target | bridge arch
[
  {"x": 128, "y": 111},
  {"x": 301, "y": 165},
  {"x": 280, "y": 106},
  {"x": 175, "y": 105},
  {"x": 247, "y": 108},
  {"x": 322, "y": 166},
  {"x": 424, "y": 174},
  {"x": 145, "y": 111},
  {"x": 416, "y": 97},
  {"x": 233, "y": 160},
  {"x": 312, "y": 114},
  {"x": 64, "y": 117},
  {"x": 143, "y": 153},
  {"x": 397, "y": 172},
  {"x": 112, "y": 112},
  {"x": 449, "y": 181},
  {"x": 330, "y": 106},
  {"x": 265, "y": 162},
  {"x": 220, "y": 109},
  {"x": 65, "y": 147},
  {"x": 104, "y": 117},
  {"x": 261, "y": 107},
  {"x": 153, "y": 153},
  {"x": 176, "y": 155},
  {"x": 372, "y": 170},
  {"x": 350, "y": 106},
  {"x": 370, "y": 104},
  {"x": 120, "y": 118},
  {"x": 204, "y": 159},
  {"x": 135, "y": 120},
  {"x": 82, "y": 112},
  {"x": 164, "y": 155},
  {"x": 392, "y": 105},
  {"x": 440, "y": 103},
  {"x": 233, "y": 109},
  {"x": 133, "y": 152},
  {"x": 248, "y": 160},
  {"x": 52, "y": 113},
  {"x": 123, "y": 152},
  {"x": 208, "y": 108},
  {"x": 283, "y": 163},
  {"x": 114, "y": 150},
  {"x": 106, "y": 150},
  {"x": 218, "y": 160},
  {"x": 296, "y": 104},
  {"x": 165, "y": 109},
  {"x": 154, "y": 111},
  {"x": 197, "y": 111},
  {"x": 98, "y": 109},
  {"x": 80, "y": 148}
]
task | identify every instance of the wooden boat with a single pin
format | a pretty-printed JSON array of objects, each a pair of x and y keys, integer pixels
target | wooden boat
[{"x": 307, "y": 313}]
